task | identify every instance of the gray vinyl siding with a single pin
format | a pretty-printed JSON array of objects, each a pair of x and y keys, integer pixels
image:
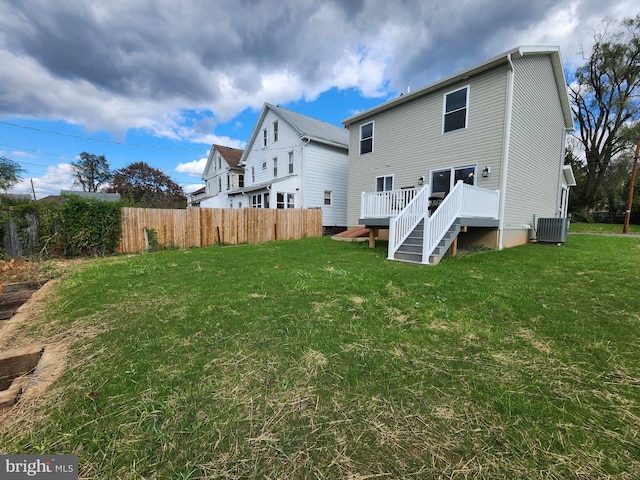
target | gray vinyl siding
[
  {"x": 408, "y": 141},
  {"x": 325, "y": 168},
  {"x": 536, "y": 145}
]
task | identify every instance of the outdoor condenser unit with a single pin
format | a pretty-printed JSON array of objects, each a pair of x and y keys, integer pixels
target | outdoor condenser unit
[{"x": 552, "y": 230}]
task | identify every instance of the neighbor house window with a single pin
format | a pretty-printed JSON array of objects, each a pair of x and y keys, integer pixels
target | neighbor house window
[
  {"x": 228, "y": 182},
  {"x": 275, "y": 167},
  {"x": 455, "y": 110},
  {"x": 266, "y": 200},
  {"x": 275, "y": 131},
  {"x": 264, "y": 165},
  {"x": 384, "y": 184},
  {"x": 264, "y": 137},
  {"x": 253, "y": 174},
  {"x": 256, "y": 201},
  {"x": 219, "y": 162},
  {"x": 290, "y": 162},
  {"x": 280, "y": 200},
  {"x": 327, "y": 197},
  {"x": 241, "y": 181},
  {"x": 219, "y": 184},
  {"x": 290, "y": 200},
  {"x": 366, "y": 138}
]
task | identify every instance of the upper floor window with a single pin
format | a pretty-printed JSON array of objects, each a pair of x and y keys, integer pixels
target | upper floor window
[
  {"x": 384, "y": 184},
  {"x": 366, "y": 138},
  {"x": 455, "y": 110},
  {"x": 275, "y": 131},
  {"x": 264, "y": 165},
  {"x": 264, "y": 137},
  {"x": 241, "y": 181},
  {"x": 228, "y": 182},
  {"x": 275, "y": 167},
  {"x": 290, "y": 162},
  {"x": 327, "y": 197},
  {"x": 253, "y": 174},
  {"x": 219, "y": 162}
]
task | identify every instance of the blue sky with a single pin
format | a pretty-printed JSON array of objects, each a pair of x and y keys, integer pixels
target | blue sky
[{"x": 175, "y": 77}]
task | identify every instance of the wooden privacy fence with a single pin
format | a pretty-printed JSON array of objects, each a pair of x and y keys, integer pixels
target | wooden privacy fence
[{"x": 199, "y": 227}]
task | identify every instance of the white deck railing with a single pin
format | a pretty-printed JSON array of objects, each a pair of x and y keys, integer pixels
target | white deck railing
[
  {"x": 401, "y": 226},
  {"x": 385, "y": 204},
  {"x": 406, "y": 208},
  {"x": 462, "y": 201}
]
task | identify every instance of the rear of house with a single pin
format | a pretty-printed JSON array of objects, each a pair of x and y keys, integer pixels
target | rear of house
[{"x": 498, "y": 127}]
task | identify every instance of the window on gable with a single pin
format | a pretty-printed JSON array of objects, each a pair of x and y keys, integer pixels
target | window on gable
[
  {"x": 384, "y": 184},
  {"x": 264, "y": 137},
  {"x": 275, "y": 131},
  {"x": 290, "y": 162},
  {"x": 455, "y": 110},
  {"x": 366, "y": 138}
]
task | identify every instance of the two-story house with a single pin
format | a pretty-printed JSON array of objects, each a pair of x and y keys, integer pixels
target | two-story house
[
  {"x": 295, "y": 161},
  {"x": 222, "y": 174},
  {"x": 478, "y": 154}
]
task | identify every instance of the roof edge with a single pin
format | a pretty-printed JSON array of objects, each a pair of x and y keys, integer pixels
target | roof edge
[{"x": 503, "y": 58}]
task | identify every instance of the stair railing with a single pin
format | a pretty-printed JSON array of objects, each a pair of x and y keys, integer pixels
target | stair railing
[
  {"x": 401, "y": 226},
  {"x": 462, "y": 201}
]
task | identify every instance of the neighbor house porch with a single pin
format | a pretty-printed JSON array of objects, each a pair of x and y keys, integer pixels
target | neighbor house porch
[{"x": 423, "y": 226}]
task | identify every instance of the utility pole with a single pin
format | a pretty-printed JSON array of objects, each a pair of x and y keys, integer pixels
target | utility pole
[
  {"x": 33, "y": 190},
  {"x": 632, "y": 185}
]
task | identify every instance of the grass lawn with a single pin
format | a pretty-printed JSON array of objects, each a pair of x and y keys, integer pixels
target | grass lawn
[
  {"x": 601, "y": 228},
  {"x": 321, "y": 359}
]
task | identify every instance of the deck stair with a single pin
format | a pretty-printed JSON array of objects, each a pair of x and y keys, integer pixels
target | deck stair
[{"x": 411, "y": 249}]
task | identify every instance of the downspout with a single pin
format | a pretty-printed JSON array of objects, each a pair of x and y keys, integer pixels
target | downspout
[
  {"x": 559, "y": 205},
  {"x": 505, "y": 152},
  {"x": 302, "y": 179}
]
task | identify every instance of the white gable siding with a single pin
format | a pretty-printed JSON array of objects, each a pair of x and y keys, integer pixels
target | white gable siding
[
  {"x": 287, "y": 141},
  {"x": 409, "y": 143},
  {"x": 536, "y": 146},
  {"x": 325, "y": 168}
]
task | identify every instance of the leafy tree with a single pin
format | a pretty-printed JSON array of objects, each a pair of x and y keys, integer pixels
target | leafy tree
[
  {"x": 9, "y": 173},
  {"x": 91, "y": 171},
  {"x": 141, "y": 185},
  {"x": 605, "y": 102}
]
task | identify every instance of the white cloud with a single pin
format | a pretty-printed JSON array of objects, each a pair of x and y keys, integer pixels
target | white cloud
[
  {"x": 192, "y": 187},
  {"x": 58, "y": 177},
  {"x": 195, "y": 168}
]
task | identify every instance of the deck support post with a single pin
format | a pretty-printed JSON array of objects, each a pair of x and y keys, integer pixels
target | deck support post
[{"x": 373, "y": 233}]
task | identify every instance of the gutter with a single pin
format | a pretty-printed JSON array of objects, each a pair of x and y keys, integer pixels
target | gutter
[{"x": 505, "y": 152}]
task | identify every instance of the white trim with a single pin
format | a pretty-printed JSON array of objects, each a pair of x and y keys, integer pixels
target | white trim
[
  {"x": 506, "y": 139},
  {"x": 444, "y": 108}
]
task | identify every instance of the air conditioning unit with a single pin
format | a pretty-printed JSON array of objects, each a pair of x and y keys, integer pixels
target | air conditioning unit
[{"x": 552, "y": 230}]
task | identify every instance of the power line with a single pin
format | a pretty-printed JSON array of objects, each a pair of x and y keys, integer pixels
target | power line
[{"x": 113, "y": 142}]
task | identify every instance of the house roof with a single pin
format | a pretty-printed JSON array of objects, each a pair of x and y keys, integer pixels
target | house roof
[
  {"x": 307, "y": 127},
  {"x": 231, "y": 155},
  {"x": 504, "y": 58}
]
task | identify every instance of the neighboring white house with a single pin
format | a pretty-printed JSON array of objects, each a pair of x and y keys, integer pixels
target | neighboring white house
[
  {"x": 221, "y": 175},
  {"x": 499, "y": 128},
  {"x": 294, "y": 161}
]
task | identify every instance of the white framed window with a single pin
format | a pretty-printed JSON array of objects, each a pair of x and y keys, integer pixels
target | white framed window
[
  {"x": 366, "y": 138},
  {"x": 219, "y": 184},
  {"x": 280, "y": 200},
  {"x": 241, "y": 181},
  {"x": 275, "y": 167},
  {"x": 456, "y": 110},
  {"x": 291, "y": 162},
  {"x": 264, "y": 165},
  {"x": 291, "y": 200},
  {"x": 253, "y": 174},
  {"x": 442, "y": 181},
  {"x": 264, "y": 137},
  {"x": 327, "y": 197},
  {"x": 384, "y": 183},
  {"x": 275, "y": 131},
  {"x": 228, "y": 182},
  {"x": 256, "y": 200}
]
